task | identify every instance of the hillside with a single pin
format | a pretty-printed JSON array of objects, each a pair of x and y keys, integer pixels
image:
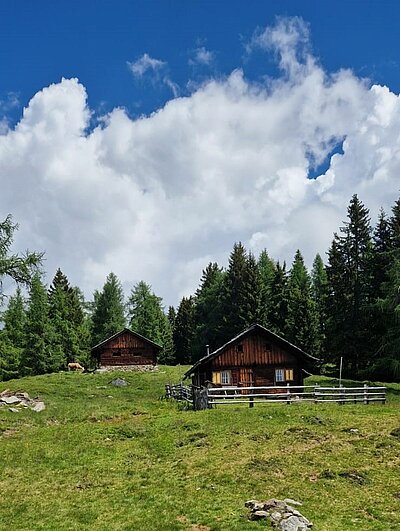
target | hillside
[{"x": 107, "y": 458}]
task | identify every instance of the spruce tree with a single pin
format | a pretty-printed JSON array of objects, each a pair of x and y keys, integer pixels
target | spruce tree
[
  {"x": 208, "y": 311},
  {"x": 37, "y": 355},
  {"x": 108, "y": 315},
  {"x": 148, "y": 319},
  {"x": 184, "y": 331},
  {"x": 278, "y": 307},
  {"x": 267, "y": 268},
  {"x": 320, "y": 292},
  {"x": 301, "y": 323},
  {"x": 350, "y": 277},
  {"x": 70, "y": 337},
  {"x": 12, "y": 337},
  {"x": 394, "y": 225}
]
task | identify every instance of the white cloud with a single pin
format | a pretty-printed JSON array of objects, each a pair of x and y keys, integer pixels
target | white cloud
[
  {"x": 155, "y": 69},
  {"x": 156, "y": 198},
  {"x": 201, "y": 56}
]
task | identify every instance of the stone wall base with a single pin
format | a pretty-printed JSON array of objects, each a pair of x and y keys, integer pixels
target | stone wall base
[{"x": 127, "y": 368}]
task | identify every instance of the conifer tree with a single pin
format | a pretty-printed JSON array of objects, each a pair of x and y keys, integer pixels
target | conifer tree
[
  {"x": 301, "y": 323},
  {"x": 108, "y": 316},
  {"x": 20, "y": 268},
  {"x": 208, "y": 311},
  {"x": 394, "y": 225},
  {"x": 267, "y": 268},
  {"x": 171, "y": 317},
  {"x": 184, "y": 331},
  {"x": 12, "y": 337},
  {"x": 320, "y": 292},
  {"x": 350, "y": 277},
  {"x": 70, "y": 333},
  {"x": 37, "y": 355},
  {"x": 148, "y": 319},
  {"x": 278, "y": 307}
]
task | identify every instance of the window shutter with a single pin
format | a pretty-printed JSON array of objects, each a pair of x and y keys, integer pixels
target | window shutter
[{"x": 216, "y": 378}]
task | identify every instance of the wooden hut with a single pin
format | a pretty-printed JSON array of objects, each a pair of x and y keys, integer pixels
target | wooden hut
[
  {"x": 255, "y": 357},
  {"x": 126, "y": 348}
]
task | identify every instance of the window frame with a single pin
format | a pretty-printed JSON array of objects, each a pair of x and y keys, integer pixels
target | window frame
[{"x": 226, "y": 377}]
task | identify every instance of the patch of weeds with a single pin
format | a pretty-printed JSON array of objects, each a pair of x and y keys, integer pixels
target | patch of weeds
[
  {"x": 265, "y": 465},
  {"x": 125, "y": 432},
  {"x": 316, "y": 420},
  {"x": 354, "y": 476},
  {"x": 197, "y": 439},
  {"x": 328, "y": 474},
  {"x": 303, "y": 433},
  {"x": 260, "y": 437}
]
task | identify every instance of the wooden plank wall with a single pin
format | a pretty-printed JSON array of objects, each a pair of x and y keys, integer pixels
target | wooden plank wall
[
  {"x": 254, "y": 353},
  {"x": 132, "y": 351}
]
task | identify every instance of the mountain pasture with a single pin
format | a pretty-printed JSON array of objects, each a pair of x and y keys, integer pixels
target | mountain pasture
[{"x": 103, "y": 457}]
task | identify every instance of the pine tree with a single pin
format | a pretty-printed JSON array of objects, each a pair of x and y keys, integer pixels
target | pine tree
[
  {"x": 12, "y": 337},
  {"x": 320, "y": 292},
  {"x": 278, "y": 307},
  {"x": 37, "y": 356},
  {"x": 184, "y": 331},
  {"x": 267, "y": 268},
  {"x": 108, "y": 315},
  {"x": 350, "y": 277},
  {"x": 301, "y": 323}
]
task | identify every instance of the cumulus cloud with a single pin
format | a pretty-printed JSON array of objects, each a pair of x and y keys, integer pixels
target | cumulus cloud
[
  {"x": 156, "y": 71},
  {"x": 157, "y": 197}
]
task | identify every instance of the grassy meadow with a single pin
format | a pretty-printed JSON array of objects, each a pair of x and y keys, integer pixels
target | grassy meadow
[{"x": 106, "y": 458}]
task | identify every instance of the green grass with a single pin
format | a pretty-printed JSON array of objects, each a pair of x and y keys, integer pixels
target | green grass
[{"x": 107, "y": 458}]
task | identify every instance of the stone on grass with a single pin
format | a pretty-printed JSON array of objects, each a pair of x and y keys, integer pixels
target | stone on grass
[
  {"x": 38, "y": 407},
  {"x": 119, "y": 382},
  {"x": 10, "y": 400},
  {"x": 279, "y": 513}
]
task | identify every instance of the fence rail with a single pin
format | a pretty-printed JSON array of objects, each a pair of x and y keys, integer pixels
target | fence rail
[{"x": 208, "y": 397}]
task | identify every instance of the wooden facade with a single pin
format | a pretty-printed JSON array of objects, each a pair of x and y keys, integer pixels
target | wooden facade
[
  {"x": 256, "y": 357},
  {"x": 125, "y": 348}
]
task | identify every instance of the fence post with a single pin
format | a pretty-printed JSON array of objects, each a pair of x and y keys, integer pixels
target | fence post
[
  {"x": 251, "y": 401},
  {"x": 288, "y": 401},
  {"x": 316, "y": 393},
  {"x": 366, "y": 401},
  {"x": 343, "y": 395}
]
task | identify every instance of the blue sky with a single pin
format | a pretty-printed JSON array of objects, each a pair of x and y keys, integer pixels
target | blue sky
[
  {"x": 146, "y": 137},
  {"x": 41, "y": 42}
]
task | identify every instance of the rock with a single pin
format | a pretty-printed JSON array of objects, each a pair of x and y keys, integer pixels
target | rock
[
  {"x": 14, "y": 410},
  {"x": 6, "y": 392},
  {"x": 10, "y": 399},
  {"x": 38, "y": 407},
  {"x": 294, "y": 523},
  {"x": 25, "y": 396},
  {"x": 289, "y": 501},
  {"x": 119, "y": 382},
  {"x": 259, "y": 515}
]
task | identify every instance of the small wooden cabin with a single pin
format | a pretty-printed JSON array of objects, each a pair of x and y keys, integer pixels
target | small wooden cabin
[
  {"x": 126, "y": 348},
  {"x": 255, "y": 357}
]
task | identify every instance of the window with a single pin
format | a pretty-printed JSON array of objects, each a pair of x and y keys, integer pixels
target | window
[
  {"x": 116, "y": 353},
  {"x": 225, "y": 377},
  {"x": 289, "y": 375},
  {"x": 216, "y": 377},
  {"x": 239, "y": 348},
  {"x": 284, "y": 375}
]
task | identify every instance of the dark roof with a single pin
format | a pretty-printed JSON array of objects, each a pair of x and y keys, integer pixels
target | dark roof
[
  {"x": 296, "y": 350},
  {"x": 130, "y": 332}
]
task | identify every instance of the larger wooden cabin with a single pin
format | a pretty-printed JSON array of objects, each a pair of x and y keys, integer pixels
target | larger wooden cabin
[
  {"x": 255, "y": 357},
  {"x": 126, "y": 348}
]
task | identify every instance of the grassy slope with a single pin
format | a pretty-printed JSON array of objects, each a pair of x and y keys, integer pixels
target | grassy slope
[{"x": 133, "y": 461}]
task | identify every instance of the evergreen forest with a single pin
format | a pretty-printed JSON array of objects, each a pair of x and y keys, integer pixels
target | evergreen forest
[{"x": 347, "y": 306}]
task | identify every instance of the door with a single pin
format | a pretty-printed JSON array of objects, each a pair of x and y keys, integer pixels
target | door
[{"x": 245, "y": 379}]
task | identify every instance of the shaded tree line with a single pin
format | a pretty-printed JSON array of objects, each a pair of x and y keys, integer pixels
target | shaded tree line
[{"x": 347, "y": 307}]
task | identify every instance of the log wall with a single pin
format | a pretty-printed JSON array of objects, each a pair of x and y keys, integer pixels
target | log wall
[{"x": 127, "y": 349}]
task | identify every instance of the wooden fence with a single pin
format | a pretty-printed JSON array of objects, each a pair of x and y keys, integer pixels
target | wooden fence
[{"x": 208, "y": 397}]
